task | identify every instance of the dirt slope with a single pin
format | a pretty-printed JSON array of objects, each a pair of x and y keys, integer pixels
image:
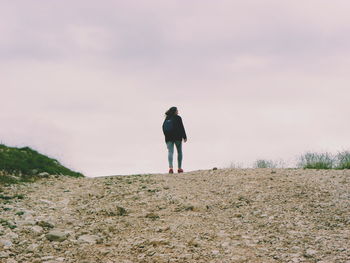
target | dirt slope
[{"x": 233, "y": 215}]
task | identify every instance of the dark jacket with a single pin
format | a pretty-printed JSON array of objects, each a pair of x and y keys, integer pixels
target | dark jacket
[{"x": 179, "y": 131}]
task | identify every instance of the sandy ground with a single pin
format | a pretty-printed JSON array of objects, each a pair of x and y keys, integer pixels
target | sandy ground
[{"x": 229, "y": 215}]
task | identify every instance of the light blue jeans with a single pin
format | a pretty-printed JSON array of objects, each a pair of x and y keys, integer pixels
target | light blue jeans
[{"x": 170, "y": 146}]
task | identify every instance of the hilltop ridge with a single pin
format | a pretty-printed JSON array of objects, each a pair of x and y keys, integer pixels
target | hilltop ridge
[
  {"x": 226, "y": 215},
  {"x": 26, "y": 164}
]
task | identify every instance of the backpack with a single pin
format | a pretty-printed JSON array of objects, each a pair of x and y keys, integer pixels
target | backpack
[{"x": 168, "y": 126}]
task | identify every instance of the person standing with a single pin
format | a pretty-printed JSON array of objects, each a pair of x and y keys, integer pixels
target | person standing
[{"x": 174, "y": 132}]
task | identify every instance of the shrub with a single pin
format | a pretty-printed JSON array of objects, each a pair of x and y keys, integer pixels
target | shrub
[
  {"x": 27, "y": 163},
  {"x": 7, "y": 179},
  {"x": 343, "y": 160},
  {"x": 235, "y": 165},
  {"x": 312, "y": 160},
  {"x": 264, "y": 164}
]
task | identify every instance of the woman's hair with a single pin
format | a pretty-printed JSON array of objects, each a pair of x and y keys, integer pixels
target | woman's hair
[{"x": 171, "y": 112}]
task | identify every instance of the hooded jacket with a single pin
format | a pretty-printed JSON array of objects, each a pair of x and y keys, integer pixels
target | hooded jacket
[{"x": 179, "y": 130}]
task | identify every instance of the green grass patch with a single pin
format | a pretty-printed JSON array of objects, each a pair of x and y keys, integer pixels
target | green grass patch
[
  {"x": 121, "y": 211},
  {"x": 261, "y": 163},
  {"x": 313, "y": 160},
  {"x": 343, "y": 160},
  {"x": 20, "y": 213},
  {"x": 7, "y": 179},
  {"x": 28, "y": 163},
  {"x": 7, "y": 197},
  {"x": 6, "y": 223}
]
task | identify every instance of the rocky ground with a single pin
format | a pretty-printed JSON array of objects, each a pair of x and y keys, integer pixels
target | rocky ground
[{"x": 229, "y": 215}]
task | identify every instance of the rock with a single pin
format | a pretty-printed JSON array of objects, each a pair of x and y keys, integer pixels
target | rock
[
  {"x": 45, "y": 224},
  {"x": 11, "y": 260},
  {"x": 37, "y": 230},
  {"x": 225, "y": 244},
  {"x": 46, "y": 258},
  {"x": 104, "y": 251},
  {"x": 48, "y": 202},
  {"x": 27, "y": 220},
  {"x": 90, "y": 239},
  {"x": 295, "y": 260},
  {"x": 152, "y": 216},
  {"x": 4, "y": 254},
  {"x": 44, "y": 175},
  {"x": 238, "y": 258},
  {"x": 5, "y": 243},
  {"x": 158, "y": 242},
  {"x": 28, "y": 217},
  {"x": 28, "y": 212},
  {"x": 310, "y": 253},
  {"x": 11, "y": 235},
  {"x": 31, "y": 248},
  {"x": 121, "y": 211},
  {"x": 57, "y": 235},
  {"x": 162, "y": 229}
]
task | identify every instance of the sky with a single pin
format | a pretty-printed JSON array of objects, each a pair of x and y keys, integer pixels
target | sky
[{"x": 88, "y": 82}]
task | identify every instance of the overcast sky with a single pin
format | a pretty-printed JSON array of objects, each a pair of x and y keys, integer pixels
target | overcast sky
[{"x": 88, "y": 82}]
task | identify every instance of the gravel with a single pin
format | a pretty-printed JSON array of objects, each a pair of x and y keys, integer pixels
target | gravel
[{"x": 223, "y": 215}]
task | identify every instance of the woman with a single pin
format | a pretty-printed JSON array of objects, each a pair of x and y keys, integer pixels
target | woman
[{"x": 174, "y": 132}]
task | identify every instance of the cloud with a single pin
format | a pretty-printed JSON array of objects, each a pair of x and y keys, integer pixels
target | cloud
[{"x": 249, "y": 77}]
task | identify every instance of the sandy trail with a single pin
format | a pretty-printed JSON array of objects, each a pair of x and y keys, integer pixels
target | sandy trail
[{"x": 228, "y": 215}]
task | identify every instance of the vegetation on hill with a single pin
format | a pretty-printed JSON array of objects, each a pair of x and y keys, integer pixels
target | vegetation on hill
[
  {"x": 261, "y": 163},
  {"x": 313, "y": 160},
  {"x": 27, "y": 164},
  {"x": 310, "y": 160}
]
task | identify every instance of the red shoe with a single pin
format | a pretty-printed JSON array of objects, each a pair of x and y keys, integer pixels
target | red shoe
[
  {"x": 171, "y": 171},
  {"x": 180, "y": 170}
]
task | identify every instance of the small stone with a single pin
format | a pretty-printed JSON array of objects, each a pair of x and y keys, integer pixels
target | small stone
[
  {"x": 45, "y": 224},
  {"x": 238, "y": 259},
  {"x": 215, "y": 252},
  {"x": 37, "y": 230},
  {"x": 90, "y": 239},
  {"x": 46, "y": 201},
  {"x": 105, "y": 251},
  {"x": 26, "y": 222},
  {"x": 31, "y": 248},
  {"x": 44, "y": 175},
  {"x": 159, "y": 242},
  {"x": 222, "y": 234},
  {"x": 57, "y": 235},
  {"x": 310, "y": 252},
  {"x": 4, "y": 254},
  {"x": 121, "y": 211},
  {"x": 225, "y": 244},
  {"x": 47, "y": 258},
  {"x": 28, "y": 212},
  {"x": 11, "y": 235},
  {"x": 152, "y": 216},
  {"x": 5, "y": 243}
]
